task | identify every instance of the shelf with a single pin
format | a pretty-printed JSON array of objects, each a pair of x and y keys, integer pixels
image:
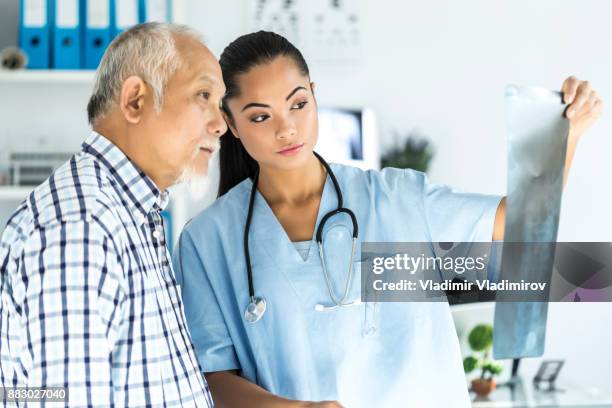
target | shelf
[
  {"x": 47, "y": 77},
  {"x": 16, "y": 193}
]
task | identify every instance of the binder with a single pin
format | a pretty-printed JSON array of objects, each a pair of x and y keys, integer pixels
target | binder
[
  {"x": 9, "y": 23},
  {"x": 155, "y": 10},
  {"x": 66, "y": 52},
  {"x": 35, "y": 33},
  {"x": 126, "y": 14},
  {"x": 98, "y": 31}
]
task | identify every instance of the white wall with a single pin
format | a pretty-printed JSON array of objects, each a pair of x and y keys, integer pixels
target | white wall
[{"x": 440, "y": 67}]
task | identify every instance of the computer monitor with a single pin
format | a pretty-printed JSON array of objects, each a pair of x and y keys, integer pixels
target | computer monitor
[{"x": 348, "y": 136}]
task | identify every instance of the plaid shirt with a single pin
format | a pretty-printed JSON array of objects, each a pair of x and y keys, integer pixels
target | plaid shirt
[{"x": 89, "y": 298}]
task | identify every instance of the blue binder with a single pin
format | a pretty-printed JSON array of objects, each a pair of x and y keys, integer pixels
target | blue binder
[
  {"x": 155, "y": 10},
  {"x": 126, "y": 13},
  {"x": 66, "y": 34},
  {"x": 98, "y": 31},
  {"x": 35, "y": 33}
]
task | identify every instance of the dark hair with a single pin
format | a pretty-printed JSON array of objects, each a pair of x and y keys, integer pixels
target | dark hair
[{"x": 239, "y": 57}]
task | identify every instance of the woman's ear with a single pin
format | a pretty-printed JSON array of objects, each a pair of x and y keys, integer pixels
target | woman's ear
[
  {"x": 132, "y": 98},
  {"x": 230, "y": 124},
  {"x": 312, "y": 89}
]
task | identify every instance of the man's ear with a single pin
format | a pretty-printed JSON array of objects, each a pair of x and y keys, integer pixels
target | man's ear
[
  {"x": 230, "y": 124},
  {"x": 132, "y": 98}
]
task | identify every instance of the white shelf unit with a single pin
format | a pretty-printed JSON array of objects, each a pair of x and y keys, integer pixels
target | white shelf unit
[
  {"x": 10, "y": 198},
  {"x": 31, "y": 77},
  {"x": 14, "y": 193},
  {"x": 50, "y": 105}
]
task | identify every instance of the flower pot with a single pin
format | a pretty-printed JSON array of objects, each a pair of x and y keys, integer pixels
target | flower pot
[{"x": 483, "y": 387}]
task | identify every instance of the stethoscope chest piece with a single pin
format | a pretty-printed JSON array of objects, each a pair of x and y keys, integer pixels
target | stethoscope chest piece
[{"x": 255, "y": 309}]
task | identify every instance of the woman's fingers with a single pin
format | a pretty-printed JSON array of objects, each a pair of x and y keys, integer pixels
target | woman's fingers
[
  {"x": 581, "y": 96},
  {"x": 569, "y": 87}
]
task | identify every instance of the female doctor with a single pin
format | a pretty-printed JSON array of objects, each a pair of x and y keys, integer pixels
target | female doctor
[{"x": 273, "y": 325}]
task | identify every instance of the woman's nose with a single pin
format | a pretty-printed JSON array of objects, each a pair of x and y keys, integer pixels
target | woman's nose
[{"x": 286, "y": 130}]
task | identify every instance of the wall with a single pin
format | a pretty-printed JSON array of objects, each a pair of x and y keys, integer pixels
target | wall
[{"x": 439, "y": 68}]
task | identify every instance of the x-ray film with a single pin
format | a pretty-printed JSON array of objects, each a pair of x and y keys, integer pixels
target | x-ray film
[{"x": 537, "y": 142}]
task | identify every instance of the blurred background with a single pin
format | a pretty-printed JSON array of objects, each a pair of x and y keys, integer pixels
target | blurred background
[{"x": 410, "y": 83}]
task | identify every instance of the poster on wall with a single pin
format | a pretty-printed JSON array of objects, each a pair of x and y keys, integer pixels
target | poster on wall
[{"x": 326, "y": 31}]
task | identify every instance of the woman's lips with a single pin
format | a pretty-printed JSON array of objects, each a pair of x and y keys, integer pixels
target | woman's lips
[{"x": 291, "y": 150}]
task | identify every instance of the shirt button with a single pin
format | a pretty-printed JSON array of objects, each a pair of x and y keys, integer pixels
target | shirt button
[{"x": 156, "y": 234}]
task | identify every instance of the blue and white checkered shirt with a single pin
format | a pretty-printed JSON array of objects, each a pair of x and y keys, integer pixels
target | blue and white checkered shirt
[{"x": 89, "y": 298}]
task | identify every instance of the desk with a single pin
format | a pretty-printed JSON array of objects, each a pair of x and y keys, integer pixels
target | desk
[{"x": 522, "y": 395}]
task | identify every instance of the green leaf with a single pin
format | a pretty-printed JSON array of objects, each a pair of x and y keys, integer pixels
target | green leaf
[
  {"x": 470, "y": 364},
  {"x": 492, "y": 367},
  {"x": 481, "y": 337},
  {"x": 415, "y": 153}
]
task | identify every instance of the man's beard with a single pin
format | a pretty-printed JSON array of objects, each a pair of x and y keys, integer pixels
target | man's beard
[{"x": 197, "y": 184}]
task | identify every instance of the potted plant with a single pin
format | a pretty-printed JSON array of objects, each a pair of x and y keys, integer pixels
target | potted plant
[
  {"x": 480, "y": 340},
  {"x": 414, "y": 152}
]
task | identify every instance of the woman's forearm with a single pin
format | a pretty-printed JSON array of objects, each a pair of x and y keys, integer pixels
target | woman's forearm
[
  {"x": 229, "y": 390},
  {"x": 572, "y": 142},
  {"x": 500, "y": 221}
]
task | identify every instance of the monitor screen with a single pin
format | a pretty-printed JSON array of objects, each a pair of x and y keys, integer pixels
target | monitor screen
[
  {"x": 340, "y": 134},
  {"x": 348, "y": 136}
]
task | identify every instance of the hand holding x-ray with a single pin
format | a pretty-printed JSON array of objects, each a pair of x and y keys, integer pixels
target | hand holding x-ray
[
  {"x": 584, "y": 109},
  {"x": 542, "y": 137},
  {"x": 585, "y": 105}
]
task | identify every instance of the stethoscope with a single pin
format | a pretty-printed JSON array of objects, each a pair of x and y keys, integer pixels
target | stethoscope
[{"x": 257, "y": 305}]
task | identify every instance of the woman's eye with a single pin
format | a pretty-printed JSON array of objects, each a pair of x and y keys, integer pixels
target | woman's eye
[
  {"x": 205, "y": 95},
  {"x": 299, "y": 105},
  {"x": 259, "y": 118}
]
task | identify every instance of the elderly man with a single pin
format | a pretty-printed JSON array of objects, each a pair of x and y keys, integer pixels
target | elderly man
[{"x": 90, "y": 302}]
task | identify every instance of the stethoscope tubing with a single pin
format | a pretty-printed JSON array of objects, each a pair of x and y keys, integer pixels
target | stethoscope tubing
[{"x": 257, "y": 305}]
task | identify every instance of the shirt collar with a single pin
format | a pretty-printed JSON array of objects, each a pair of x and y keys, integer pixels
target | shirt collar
[{"x": 135, "y": 187}]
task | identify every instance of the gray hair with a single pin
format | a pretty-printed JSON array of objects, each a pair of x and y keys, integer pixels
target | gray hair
[{"x": 145, "y": 50}]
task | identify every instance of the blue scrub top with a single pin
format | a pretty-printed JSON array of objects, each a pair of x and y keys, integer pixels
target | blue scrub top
[{"x": 370, "y": 355}]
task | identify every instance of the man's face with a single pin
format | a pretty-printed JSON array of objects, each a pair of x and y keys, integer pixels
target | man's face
[{"x": 182, "y": 137}]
